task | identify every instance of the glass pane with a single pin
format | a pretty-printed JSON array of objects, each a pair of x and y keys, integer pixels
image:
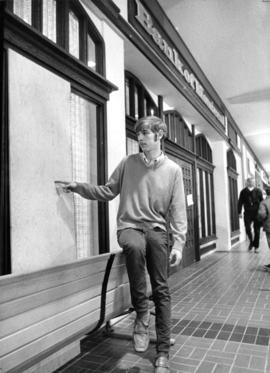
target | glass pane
[
  {"x": 145, "y": 107},
  {"x": 136, "y": 102},
  {"x": 199, "y": 203},
  {"x": 132, "y": 146},
  {"x": 127, "y": 98},
  {"x": 74, "y": 39},
  {"x": 210, "y": 205},
  {"x": 49, "y": 19},
  {"x": 205, "y": 203},
  {"x": 84, "y": 163},
  {"x": 91, "y": 53},
  {"x": 23, "y": 9}
]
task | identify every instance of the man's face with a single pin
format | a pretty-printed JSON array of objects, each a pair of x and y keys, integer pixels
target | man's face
[
  {"x": 148, "y": 140},
  {"x": 250, "y": 183}
]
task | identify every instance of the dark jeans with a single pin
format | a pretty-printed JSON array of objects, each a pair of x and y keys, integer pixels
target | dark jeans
[
  {"x": 248, "y": 220},
  {"x": 149, "y": 249}
]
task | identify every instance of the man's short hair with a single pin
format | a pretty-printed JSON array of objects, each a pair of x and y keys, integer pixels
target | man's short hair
[
  {"x": 153, "y": 123},
  {"x": 267, "y": 191},
  {"x": 250, "y": 179}
]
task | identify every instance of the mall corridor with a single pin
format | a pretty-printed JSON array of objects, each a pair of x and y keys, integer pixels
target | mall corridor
[{"x": 221, "y": 321}]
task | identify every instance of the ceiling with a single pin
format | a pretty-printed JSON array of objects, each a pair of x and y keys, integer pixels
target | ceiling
[{"x": 230, "y": 40}]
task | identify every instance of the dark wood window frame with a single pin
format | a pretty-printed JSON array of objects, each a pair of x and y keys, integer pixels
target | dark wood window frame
[
  {"x": 204, "y": 165},
  {"x": 232, "y": 134},
  {"x": 86, "y": 26},
  {"x": 203, "y": 149},
  {"x": 178, "y": 131},
  {"x": 26, "y": 40},
  {"x": 142, "y": 95},
  {"x": 5, "y": 253},
  {"x": 233, "y": 192}
]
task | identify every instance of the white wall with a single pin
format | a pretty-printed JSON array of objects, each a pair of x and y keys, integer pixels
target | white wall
[
  {"x": 42, "y": 223},
  {"x": 240, "y": 186},
  {"x": 116, "y": 125},
  {"x": 221, "y": 191}
]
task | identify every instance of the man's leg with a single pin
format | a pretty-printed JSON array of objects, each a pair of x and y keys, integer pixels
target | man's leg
[
  {"x": 157, "y": 255},
  {"x": 267, "y": 266},
  {"x": 134, "y": 248},
  {"x": 257, "y": 227},
  {"x": 248, "y": 221}
]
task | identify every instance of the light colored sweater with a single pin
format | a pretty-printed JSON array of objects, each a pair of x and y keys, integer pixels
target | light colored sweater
[
  {"x": 149, "y": 195},
  {"x": 264, "y": 214}
]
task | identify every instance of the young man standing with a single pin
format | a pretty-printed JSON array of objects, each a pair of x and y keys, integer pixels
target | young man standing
[
  {"x": 250, "y": 197},
  {"x": 151, "y": 195}
]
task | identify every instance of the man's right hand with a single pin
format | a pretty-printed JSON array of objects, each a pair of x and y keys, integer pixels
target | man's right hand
[{"x": 67, "y": 186}]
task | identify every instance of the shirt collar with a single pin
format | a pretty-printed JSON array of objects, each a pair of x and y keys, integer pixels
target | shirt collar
[{"x": 155, "y": 161}]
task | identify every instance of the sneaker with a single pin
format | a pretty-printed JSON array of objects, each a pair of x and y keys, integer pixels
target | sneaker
[
  {"x": 162, "y": 364},
  {"x": 250, "y": 247},
  {"x": 256, "y": 250},
  {"x": 141, "y": 333},
  {"x": 267, "y": 267}
]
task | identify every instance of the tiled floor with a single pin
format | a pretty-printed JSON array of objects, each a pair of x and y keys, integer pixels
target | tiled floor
[{"x": 221, "y": 322}]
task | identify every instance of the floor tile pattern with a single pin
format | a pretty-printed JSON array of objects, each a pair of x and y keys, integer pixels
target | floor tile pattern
[{"x": 220, "y": 322}]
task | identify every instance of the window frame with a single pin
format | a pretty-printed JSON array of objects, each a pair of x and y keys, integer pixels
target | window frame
[
  {"x": 233, "y": 192},
  {"x": 178, "y": 131},
  {"x": 205, "y": 169},
  {"x": 26, "y": 40},
  {"x": 143, "y": 94},
  {"x": 86, "y": 26}
]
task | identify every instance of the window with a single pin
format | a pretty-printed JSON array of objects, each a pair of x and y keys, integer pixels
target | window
[
  {"x": 203, "y": 149},
  {"x": 139, "y": 103},
  {"x": 30, "y": 63},
  {"x": 205, "y": 190},
  {"x": 178, "y": 131},
  {"x": 84, "y": 164},
  {"x": 132, "y": 146},
  {"x": 49, "y": 19},
  {"x": 233, "y": 191},
  {"x": 74, "y": 35},
  {"x": 67, "y": 24},
  {"x": 23, "y": 9},
  {"x": 127, "y": 97},
  {"x": 91, "y": 53},
  {"x": 232, "y": 134}
]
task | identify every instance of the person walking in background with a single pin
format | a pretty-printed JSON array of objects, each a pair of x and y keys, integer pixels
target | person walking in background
[
  {"x": 151, "y": 195},
  {"x": 250, "y": 197},
  {"x": 264, "y": 217}
]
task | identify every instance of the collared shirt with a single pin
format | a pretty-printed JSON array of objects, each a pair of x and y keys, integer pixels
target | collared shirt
[{"x": 154, "y": 161}]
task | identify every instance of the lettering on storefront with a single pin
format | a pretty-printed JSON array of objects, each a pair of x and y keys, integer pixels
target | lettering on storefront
[{"x": 145, "y": 20}]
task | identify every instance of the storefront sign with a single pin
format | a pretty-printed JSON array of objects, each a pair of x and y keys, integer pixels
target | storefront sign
[{"x": 146, "y": 21}]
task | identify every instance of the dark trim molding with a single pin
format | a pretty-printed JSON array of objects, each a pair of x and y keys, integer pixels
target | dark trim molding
[
  {"x": 206, "y": 249},
  {"x": 235, "y": 233},
  {"x": 234, "y": 240},
  {"x": 5, "y": 255},
  {"x": 205, "y": 240}
]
